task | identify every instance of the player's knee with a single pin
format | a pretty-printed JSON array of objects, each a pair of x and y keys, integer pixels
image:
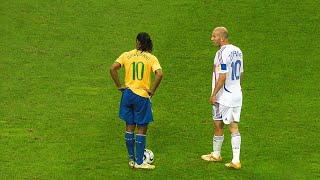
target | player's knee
[
  {"x": 218, "y": 132},
  {"x": 142, "y": 129},
  {"x": 233, "y": 129}
]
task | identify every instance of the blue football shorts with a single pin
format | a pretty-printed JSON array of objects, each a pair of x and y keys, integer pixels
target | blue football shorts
[{"x": 135, "y": 109}]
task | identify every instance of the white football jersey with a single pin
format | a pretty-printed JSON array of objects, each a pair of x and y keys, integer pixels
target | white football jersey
[{"x": 228, "y": 60}]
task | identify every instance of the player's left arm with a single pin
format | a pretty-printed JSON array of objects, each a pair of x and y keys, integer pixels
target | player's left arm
[
  {"x": 114, "y": 74},
  {"x": 218, "y": 86}
]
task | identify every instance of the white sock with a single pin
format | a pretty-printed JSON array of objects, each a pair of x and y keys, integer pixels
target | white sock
[
  {"x": 236, "y": 142},
  {"x": 217, "y": 143}
]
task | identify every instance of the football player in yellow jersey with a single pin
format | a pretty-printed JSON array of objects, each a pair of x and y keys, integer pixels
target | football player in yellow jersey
[{"x": 135, "y": 105}]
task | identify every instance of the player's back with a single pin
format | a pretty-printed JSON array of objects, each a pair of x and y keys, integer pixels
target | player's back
[
  {"x": 138, "y": 66},
  {"x": 231, "y": 94}
]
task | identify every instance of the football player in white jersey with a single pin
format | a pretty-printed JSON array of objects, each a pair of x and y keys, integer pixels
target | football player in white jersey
[{"x": 226, "y": 96}]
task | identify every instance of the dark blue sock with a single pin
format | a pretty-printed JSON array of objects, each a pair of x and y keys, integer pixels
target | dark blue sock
[
  {"x": 130, "y": 144},
  {"x": 140, "y": 146}
]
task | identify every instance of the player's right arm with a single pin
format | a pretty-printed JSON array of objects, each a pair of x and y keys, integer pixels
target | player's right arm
[
  {"x": 156, "y": 82},
  {"x": 241, "y": 78}
]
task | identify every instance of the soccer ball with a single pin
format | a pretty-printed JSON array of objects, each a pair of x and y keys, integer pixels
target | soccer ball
[{"x": 148, "y": 156}]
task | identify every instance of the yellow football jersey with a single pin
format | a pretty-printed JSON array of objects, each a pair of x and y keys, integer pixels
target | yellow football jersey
[{"x": 138, "y": 67}]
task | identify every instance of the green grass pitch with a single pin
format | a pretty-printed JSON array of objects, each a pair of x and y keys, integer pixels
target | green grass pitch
[{"x": 59, "y": 105}]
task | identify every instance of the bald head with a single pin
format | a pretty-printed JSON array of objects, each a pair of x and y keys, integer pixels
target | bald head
[
  {"x": 222, "y": 31},
  {"x": 220, "y": 36}
]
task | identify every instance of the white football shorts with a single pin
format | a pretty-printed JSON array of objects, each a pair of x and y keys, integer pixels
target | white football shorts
[{"x": 225, "y": 113}]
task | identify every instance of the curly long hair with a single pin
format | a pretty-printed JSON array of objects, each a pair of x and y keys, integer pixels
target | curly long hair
[{"x": 145, "y": 42}]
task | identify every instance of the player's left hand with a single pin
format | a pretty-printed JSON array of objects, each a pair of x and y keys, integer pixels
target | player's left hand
[
  {"x": 213, "y": 100},
  {"x": 122, "y": 88}
]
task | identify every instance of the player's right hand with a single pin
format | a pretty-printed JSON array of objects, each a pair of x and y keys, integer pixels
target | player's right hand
[{"x": 149, "y": 92}]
